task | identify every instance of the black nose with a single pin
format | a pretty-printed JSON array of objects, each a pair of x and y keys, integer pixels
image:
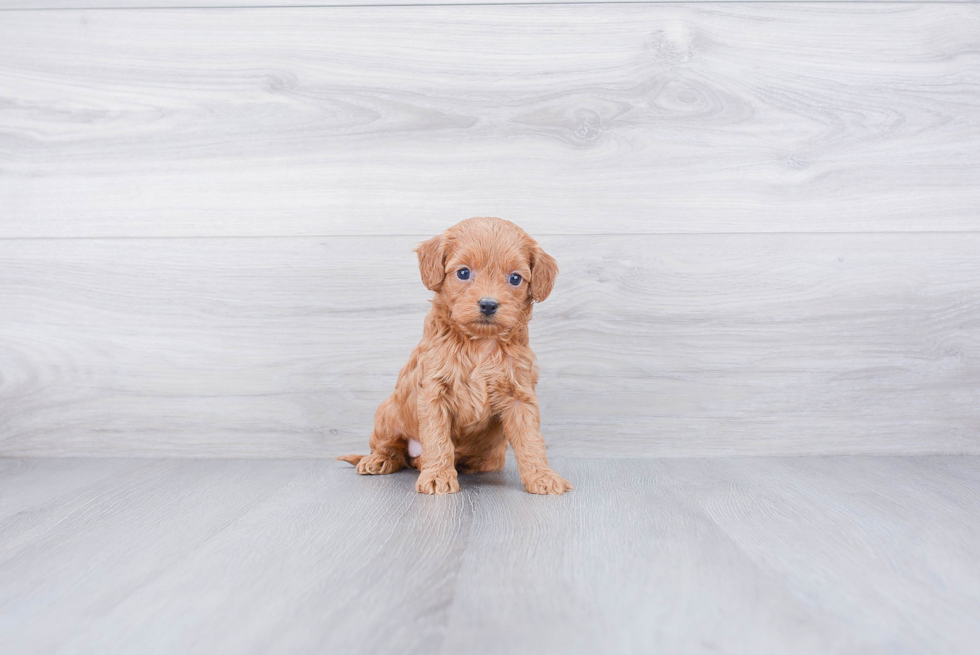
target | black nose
[{"x": 488, "y": 306}]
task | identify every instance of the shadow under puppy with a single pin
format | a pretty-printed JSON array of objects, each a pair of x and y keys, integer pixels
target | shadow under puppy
[{"x": 468, "y": 387}]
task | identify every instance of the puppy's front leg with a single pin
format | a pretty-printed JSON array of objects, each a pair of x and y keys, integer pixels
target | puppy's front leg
[
  {"x": 437, "y": 463},
  {"x": 522, "y": 422}
]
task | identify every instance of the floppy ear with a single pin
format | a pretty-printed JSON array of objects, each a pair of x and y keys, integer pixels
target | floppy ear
[
  {"x": 544, "y": 270},
  {"x": 432, "y": 262}
]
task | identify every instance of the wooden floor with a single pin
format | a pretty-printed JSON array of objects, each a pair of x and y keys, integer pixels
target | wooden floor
[{"x": 796, "y": 554}]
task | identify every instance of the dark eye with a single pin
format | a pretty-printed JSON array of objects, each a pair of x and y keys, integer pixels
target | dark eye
[
  {"x": 463, "y": 274},
  {"x": 515, "y": 279}
]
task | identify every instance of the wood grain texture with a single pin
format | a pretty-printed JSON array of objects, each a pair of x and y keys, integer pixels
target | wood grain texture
[
  {"x": 802, "y": 555},
  {"x": 283, "y": 4},
  {"x": 656, "y": 345},
  {"x": 658, "y": 118}
]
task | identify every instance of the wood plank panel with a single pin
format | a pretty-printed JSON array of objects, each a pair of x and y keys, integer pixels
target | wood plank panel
[
  {"x": 656, "y": 345},
  {"x": 726, "y": 117},
  {"x": 282, "y": 4},
  {"x": 730, "y": 555}
]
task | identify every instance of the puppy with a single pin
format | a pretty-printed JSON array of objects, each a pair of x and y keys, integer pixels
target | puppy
[{"x": 468, "y": 387}]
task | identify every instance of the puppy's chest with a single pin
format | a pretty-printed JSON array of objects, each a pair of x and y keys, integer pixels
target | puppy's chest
[{"x": 482, "y": 385}]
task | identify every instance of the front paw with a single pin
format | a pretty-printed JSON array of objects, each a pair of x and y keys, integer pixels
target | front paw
[
  {"x": 437, "y": 481},
  {"x": 546, "y": 482}
]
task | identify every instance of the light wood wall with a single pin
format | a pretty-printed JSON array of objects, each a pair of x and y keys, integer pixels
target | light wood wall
[{"x": 767, "y": 217}]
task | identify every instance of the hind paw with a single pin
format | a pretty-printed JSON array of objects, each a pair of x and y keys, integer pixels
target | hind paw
[{"x": 375, "y": 464}]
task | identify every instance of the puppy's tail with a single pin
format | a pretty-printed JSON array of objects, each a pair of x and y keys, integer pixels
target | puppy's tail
[{"x": 351, "y": 459}]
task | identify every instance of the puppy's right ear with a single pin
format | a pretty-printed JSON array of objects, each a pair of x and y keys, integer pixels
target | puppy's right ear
[{"x": 432, "y": 262}]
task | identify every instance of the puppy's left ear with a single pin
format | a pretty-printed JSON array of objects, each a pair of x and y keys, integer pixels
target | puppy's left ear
[
  {"x": 432, "y": 262},
  {"x": 544, "y": 270}
]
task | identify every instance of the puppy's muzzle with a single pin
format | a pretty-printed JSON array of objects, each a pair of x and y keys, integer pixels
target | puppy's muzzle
[{"x": 488, "y": 306}]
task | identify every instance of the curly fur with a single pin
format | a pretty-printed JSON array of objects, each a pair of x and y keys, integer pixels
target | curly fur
[{"x": 468, "y": 387}]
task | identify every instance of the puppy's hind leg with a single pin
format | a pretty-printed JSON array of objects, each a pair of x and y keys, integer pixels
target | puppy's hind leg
[{"x": 387, "y": 446}]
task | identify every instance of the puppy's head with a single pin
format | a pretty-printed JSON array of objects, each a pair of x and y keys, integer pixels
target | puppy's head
[{"x": 486, "y": 273}]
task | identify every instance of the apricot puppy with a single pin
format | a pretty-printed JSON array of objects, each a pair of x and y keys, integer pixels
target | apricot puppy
[{"x": 468, "y": 387}]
